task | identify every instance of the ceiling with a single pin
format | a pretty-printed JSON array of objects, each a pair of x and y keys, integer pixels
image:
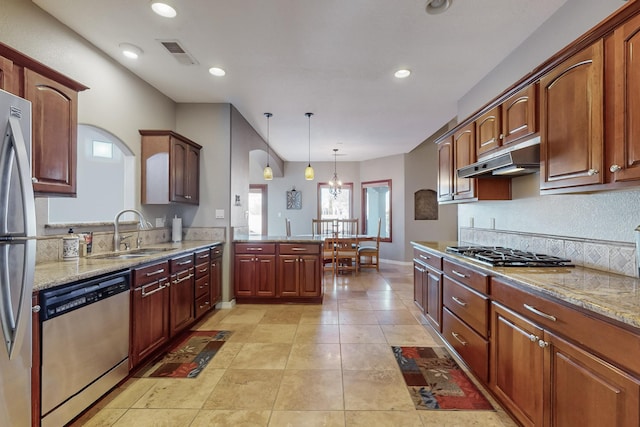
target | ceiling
[{"x": 334, "y": 58}]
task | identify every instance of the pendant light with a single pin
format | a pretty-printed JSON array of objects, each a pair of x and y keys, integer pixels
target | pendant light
[
  {"x": 335, "y": 185},
  {"x": 268, "y": 172},
  {"x": 308, "y": 172}
]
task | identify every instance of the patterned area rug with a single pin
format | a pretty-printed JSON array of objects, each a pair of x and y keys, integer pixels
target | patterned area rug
[
  {"x": 188, "y": 358},
  {"x": 435, "y": 380}
]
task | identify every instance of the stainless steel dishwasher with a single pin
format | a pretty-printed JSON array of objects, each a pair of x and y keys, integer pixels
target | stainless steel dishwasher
[{"x": 85, "y": 344}]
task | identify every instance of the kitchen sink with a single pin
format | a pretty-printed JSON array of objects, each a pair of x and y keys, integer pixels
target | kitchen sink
[{"x": 133, "y": 253}]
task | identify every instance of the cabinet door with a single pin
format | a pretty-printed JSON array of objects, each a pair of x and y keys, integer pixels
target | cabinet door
[
  {"x": 445, "y": 169},
  {"x": 310, "y": 282},
  {"x": 571, "y": 146},
  {"x": 418, "y": 286},
  {"x": 150, "y": 319},
  {"x": 519, "y": 115},
  {"x": 244, "y": 272},
  {"x": 54, "y": 116},
  {"x": 587, "y": 391},
  {"x": 464, "y": 149},
  {"x": 193, "y": 175},
  {"x": 517, "y": 365},
  {"x": 488, "y": 130},
  {"x": 179, "y": 188},
  {"x": 182, "y": 301},
  {"x": 433, "y": 303},
  {"x": 8, "y": 77},
  {"x": 289, "y": 275},
  {"x": 265, "y": 275},
  {"x": 625, "y": 161},
  {"x": 215, "y": 278}
]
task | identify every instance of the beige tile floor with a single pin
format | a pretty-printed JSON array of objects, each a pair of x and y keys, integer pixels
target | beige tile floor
[{"x": 299, "y": 365}]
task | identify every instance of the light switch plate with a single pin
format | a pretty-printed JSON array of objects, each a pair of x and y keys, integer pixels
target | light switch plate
[{"x": 219, "y": 213}]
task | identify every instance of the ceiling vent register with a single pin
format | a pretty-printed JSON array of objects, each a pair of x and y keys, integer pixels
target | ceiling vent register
[{"x": 178, "y": 52}]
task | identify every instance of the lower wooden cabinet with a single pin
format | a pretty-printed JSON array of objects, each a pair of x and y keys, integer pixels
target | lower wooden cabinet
[
  {"x": 181, "y": 292},
  {"x": 149, "y": 311},
  {"x": 215, "y": 274},
  {"x": 277, "y": 272}
]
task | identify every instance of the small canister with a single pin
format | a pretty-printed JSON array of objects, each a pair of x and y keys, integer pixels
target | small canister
[{"x": 70, "y": 246}]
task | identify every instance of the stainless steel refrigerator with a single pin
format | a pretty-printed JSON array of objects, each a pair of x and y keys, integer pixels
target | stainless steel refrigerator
[{"x": 17, "y": 259}]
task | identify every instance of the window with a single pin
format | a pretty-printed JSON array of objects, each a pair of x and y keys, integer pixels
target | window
[
  {"x": 340, "y": 207},
  {"x": 376, "y": 203}
]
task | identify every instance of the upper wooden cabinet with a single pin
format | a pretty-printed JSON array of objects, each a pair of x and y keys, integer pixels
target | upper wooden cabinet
[
  {"x": 572, "y": 121},
  {"x": 488, "y": 131},
  {"x": 464, "y": 149},
  {"x": 623, "y": 108},
  {"x": 520, "y": 115},
  {"x": 170, "y": 168},
  {"x": 445, "y": 169},
  {"x": 54, "y": 107}
]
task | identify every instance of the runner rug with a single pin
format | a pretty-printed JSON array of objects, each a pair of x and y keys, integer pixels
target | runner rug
[
  {"x": 435, "y": 381},
  {"x": 189, "y": 357}
]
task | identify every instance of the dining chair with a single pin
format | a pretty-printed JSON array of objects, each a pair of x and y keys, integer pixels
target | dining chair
[
  {"x": 346, "y": 254},
  {"x": 329, "y": 255},
  {"x": 369, "y": 255},
  {"x": 322, "y": 227},
  {"x": 347, "y": 227}
]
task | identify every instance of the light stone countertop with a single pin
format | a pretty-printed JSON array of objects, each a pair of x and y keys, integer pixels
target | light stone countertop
[
  {"x": 610, "y": 295},
  {"x": 50, "y": 274},
  {"x": 304, "y": 238}
]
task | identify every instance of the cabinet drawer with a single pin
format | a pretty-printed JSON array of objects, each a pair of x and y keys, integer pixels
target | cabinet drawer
[
  {"x": 151, "y": 273},
  {"x": 202, "y": 257},
  {"x": 467, "y": 276},
  {"x": 470, "y": 346},
  {"x": 428, "y": 258},
  {"x": 182, "y": 263},
  {"x": 469, "y": 305},
  {"x": 203, "y": 304},
  {"x": 255, "y": 248},
  {"x": 216, "y": 251},
  {"x": 202, "y": 270},
  {"x": 615, "y": 343},
  {"x": 202, "y": 286},
  {"x": 293, "y": 249}
]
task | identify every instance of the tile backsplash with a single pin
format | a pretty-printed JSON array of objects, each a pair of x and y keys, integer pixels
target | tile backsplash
[
  {"x": 49, "y": 248},
  {"x": 614, "y": 257}
]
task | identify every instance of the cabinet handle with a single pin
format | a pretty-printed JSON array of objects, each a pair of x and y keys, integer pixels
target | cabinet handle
[
  {"x": 534, "y": 338},
  {"x": 457, "y": 337},
  {"x": 34, "y": 180},
  {"x": 35, "y": 309},
  {"x": 187, "y": 197},
  {"x": 421, "y": 270},
  {"x": 592, "y": 172},
  {"x": 459, "y": 301},
  {"x": 459, "y": 274},
  {"x": 158, "y": 289},
  {"x": 204, "y": 270},
  {"x": 543, "y": 344},
  {"x": 153, "y": 273},
  {"x": 182, "y": 279},
  {"x": 615, "y": 168},
  {"x": 501, "y": 137},
  {"x": 424, "y": 256},
  {"x": 540, "y": 313},
  {"x": 299, "y": 249},
  {"x": 203, "y": 256},
  {"x": 205, "y": 304},
  {"x": 185, "y": 262}
]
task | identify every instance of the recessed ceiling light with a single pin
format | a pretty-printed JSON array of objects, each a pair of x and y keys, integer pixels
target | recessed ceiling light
[
  {"x": 435, "y": 7},
  {"x": 402, "y": 73},
  {"x": 218, "y": 72},
  {"x": 130, "y": 51},
  {"x": 164, "y": 8}
]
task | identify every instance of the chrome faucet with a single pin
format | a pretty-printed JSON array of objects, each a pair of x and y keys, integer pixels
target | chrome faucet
[{"x": 117, "y": 240}]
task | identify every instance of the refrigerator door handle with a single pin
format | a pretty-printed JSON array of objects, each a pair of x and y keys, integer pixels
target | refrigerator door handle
[{"x": 15, "y": 147}]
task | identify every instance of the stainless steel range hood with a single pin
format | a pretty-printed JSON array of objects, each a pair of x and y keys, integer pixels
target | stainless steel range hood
[{"x": 518, "y": 162}]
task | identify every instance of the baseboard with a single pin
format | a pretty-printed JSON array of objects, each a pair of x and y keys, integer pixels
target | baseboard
[
  {"x": 391, "y": 261},
  {"x": 225, "y": 305}
]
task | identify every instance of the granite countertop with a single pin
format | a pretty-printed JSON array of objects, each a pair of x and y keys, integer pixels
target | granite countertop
[
  {"x": 303, "y": 238},
  {"x": 611, "y": 295},
  {"x": 57, "y": 273}
]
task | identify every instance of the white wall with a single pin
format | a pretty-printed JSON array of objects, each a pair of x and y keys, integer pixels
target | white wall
[{"x": 607, "y": 216}]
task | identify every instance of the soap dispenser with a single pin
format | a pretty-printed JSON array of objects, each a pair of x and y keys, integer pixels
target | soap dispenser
[{"x": 70, "y": 246}]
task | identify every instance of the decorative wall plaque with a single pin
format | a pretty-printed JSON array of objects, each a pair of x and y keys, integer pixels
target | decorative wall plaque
[{"x": 294, "y": 199}]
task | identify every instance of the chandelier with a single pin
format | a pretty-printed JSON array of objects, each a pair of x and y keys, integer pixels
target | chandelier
[{"x": 335, "y": 185}]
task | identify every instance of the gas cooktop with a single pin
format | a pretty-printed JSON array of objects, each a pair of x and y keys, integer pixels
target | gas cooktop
[{"x": 497, "y": 256}]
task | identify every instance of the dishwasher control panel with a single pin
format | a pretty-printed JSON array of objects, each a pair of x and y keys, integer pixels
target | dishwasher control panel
[{"x": 60, "y": 300}]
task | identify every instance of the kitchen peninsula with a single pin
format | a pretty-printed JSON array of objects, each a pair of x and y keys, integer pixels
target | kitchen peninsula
[{"x": 535, "y": 335}]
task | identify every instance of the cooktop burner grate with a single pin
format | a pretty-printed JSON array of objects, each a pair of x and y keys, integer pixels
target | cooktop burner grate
[{"x": 498, "y": 256}]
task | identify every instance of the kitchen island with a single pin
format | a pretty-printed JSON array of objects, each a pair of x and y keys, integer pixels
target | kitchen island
[
  {"x": 536, "y": 335},
  {"x": 277, "y": 269}
]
